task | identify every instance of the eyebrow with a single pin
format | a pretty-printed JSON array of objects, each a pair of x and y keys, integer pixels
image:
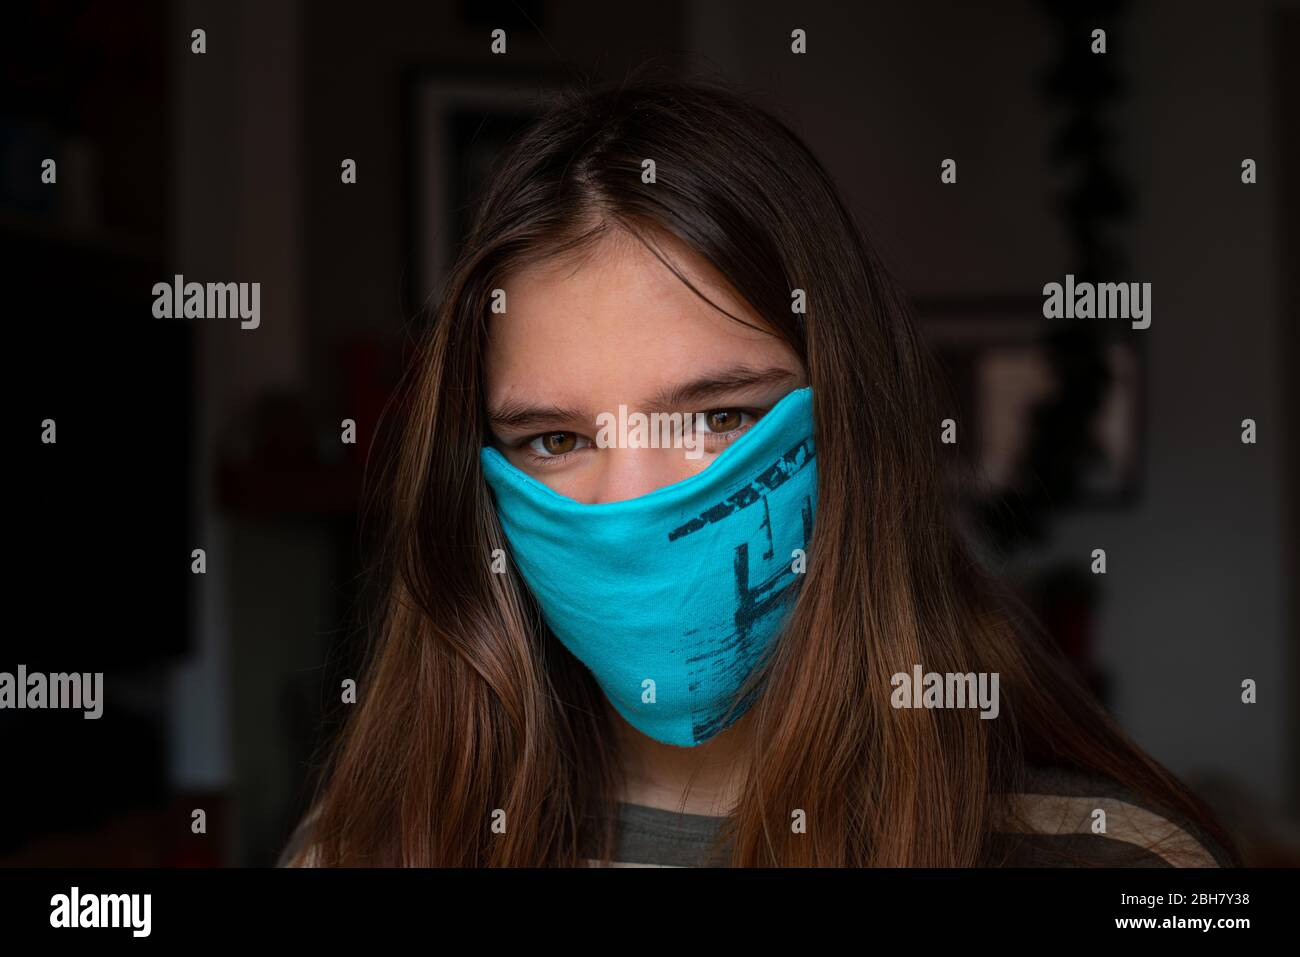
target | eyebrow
[
  {"x": 715, "y": 384},
  {"x": 517, "y": 415},
  {"x": 513, "y": 414}
]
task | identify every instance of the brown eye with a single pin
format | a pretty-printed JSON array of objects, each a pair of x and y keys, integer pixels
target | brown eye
[
  {"x": 724, "y": 420},
  {"x": 554, "y": 445},
  {"x": 557, "y": 443}
]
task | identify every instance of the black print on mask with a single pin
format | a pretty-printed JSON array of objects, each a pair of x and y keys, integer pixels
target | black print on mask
[
  {"x": 772, "y": 478},
  {"x": 727, "y": 660}
]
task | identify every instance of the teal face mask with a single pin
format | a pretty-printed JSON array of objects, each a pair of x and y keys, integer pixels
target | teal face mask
[{"x": 673, "y": 598}]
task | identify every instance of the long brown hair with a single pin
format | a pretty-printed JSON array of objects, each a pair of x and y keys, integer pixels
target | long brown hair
[{"x": 468, "y": 706}]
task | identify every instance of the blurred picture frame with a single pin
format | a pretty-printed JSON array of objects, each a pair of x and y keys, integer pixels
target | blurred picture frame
[
  {"x": 457, "y": 123},
  {"x": 998, "y": 361}
]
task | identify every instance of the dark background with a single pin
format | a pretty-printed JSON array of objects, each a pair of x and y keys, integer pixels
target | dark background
[{"x": 225, "y": 166}]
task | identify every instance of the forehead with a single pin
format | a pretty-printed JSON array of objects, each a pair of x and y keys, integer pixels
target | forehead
[{"x": 616, "y": 324}]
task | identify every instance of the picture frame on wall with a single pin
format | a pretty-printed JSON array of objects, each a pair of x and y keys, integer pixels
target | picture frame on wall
[
  {"x": 457, "y": 125},
  {"x": 997, "y": 357}
]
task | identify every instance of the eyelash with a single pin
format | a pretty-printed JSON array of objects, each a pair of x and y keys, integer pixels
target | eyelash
[{"x": 548, "y": 461}]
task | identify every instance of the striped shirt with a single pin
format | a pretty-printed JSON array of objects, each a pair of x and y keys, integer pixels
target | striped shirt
[{"x": 1057, "y": 828}]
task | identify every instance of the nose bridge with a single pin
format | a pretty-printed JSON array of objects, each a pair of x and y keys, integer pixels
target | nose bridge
[{"x": 628, "y": 473}]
